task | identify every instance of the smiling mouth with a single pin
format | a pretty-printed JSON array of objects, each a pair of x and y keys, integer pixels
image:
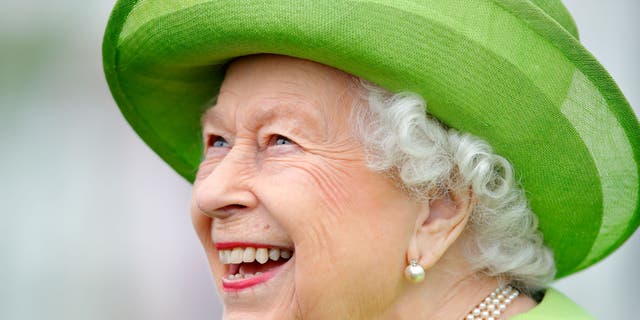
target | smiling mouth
[{"x": 248, "y": 264}]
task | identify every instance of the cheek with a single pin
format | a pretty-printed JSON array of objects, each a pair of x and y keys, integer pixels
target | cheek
[
  {"x": 328, "y": 185},
  {"x": 331, "y": 201},
  {"x": 347, "y": 227},
  {"x": 311, "y": 198}
]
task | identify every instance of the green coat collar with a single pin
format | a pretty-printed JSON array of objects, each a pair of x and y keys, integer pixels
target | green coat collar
[{"x": 555, "y": 305}]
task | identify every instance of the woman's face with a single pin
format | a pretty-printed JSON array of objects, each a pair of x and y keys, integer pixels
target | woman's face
[{"x": 282, "y": 170}]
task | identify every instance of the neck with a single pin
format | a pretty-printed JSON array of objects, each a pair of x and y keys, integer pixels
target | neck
[
  {"x": 450, "y": 290},
  {"x": 443, "y": 298}
]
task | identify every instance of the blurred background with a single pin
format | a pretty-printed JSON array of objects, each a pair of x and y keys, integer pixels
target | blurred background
[{"x": 95, "y": 226}]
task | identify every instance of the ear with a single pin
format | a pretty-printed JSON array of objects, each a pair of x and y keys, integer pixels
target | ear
[{"x": 438, "y": 225}]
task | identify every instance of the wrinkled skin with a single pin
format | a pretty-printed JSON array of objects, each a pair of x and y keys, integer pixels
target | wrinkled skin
[{"x": 282, "y": 167}]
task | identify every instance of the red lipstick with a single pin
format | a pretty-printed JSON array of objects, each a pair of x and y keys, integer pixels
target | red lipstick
[{"x": 240, "y": 284}]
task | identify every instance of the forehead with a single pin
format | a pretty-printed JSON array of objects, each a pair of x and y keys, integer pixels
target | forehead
[{"x": 261, "y": 88}]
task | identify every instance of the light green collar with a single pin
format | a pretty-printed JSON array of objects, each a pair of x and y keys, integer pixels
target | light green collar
[{"x": 555, "y": 305}]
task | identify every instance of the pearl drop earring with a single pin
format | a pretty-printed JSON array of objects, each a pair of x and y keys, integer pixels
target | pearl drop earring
[{"x": 414, "y": 272}]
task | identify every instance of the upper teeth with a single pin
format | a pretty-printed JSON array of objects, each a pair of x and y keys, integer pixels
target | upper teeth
[{"x": 249, "y": 254}]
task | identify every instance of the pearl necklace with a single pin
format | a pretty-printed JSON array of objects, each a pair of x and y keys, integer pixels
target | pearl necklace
[{"x": 494, "y": 304}]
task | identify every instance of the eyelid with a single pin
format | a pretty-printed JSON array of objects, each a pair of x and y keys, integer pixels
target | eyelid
[
  {"x": 215, "y": 152},
  {"x": 211, "y": 138},
  {"x": 211, "y": 152},
  {"x": 274, "y": 139},
  {"x": 216, "y": 139}
]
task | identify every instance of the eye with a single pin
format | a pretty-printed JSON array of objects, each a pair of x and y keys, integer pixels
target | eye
[
  {"x": 218, "y": 142},
  {"x": 281, "y": 140},
  {"x": 217, "y": 147}
]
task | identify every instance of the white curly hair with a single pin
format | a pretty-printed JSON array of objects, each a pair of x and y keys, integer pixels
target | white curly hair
[{"x": 428, "y": 159}]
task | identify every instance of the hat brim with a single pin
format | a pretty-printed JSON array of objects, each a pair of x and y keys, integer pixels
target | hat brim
[{"x": 502, "y": 70}]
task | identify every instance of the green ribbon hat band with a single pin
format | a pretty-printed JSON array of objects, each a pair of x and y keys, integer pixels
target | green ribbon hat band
[{"x": 511, "y": 72}]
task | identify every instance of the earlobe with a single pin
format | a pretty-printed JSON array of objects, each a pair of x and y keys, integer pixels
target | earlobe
[{"x": 439, "y": 226}]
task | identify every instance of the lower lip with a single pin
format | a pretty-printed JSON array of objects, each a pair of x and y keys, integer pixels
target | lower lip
[{"x": 240, "y": 284}]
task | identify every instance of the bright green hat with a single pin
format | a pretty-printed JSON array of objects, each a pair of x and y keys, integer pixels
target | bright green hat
[{"x": 511, "y": 72}]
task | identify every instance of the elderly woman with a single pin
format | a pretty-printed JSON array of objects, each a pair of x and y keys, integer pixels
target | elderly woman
[{"x": 326, "y": 188}]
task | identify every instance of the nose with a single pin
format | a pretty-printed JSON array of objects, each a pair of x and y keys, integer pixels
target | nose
[{"x": 227, "y": 189}]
